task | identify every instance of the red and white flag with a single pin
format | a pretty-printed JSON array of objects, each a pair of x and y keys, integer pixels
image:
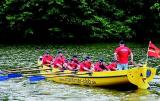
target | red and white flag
[{"x": 153, "y": 51}]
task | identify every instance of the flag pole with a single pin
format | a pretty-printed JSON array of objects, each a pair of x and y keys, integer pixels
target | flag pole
[{"x": 147, "y": 55}]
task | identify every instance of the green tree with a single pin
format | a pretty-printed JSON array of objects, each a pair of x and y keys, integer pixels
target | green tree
[{"x": 80, "y": 20}]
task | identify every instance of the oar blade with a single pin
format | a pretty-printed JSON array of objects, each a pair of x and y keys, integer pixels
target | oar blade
[
  {"x": 14, "y": 75},
  {"x": 3, "y": 78},
  {"x": 36, "y": 78}
]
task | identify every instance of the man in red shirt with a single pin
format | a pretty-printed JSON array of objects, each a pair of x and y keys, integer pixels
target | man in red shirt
[
  {"x": 112, "y": 66},
  {"x": 47, "y": 59},
  {"x": 86, "y": 65},
  {"x": 122, "y": 54},
  {"x": 100, "y": 66},
  {"x": 73, "y": 63},
  {"x": 59, "y": 60}
]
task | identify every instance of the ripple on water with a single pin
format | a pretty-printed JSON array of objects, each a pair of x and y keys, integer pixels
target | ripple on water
[{"x": 22, "y": 90}]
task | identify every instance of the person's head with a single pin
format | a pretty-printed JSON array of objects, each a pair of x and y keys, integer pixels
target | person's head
[
  {"x": 87, "y": 58},
  {"x": 75, "y": 57},
  {"x": 101, "y": 61},
  {"x": 71, "y": 60},
  {"x": 121, "y": 43},
  {"x": 46, "y": 52},
  {"x": 66, "y": 60},
  {"x": 60, "y": 53}
]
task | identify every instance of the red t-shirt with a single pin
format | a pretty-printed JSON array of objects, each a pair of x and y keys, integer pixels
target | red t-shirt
[
  {"x": 85, "y": 64},
  {"x": 112, "y": 66},
  {"x": 46, "y": 59},
  {"x": 59, "y": 60},
  {"x": 97, "y": 67},
  {"x": 73, "y": 64},
  {"x": 123, "y": 54}
]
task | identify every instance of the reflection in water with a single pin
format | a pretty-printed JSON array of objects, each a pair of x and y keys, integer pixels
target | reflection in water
[
  {"x": 142, "y": 92},
  {"x": 22, "y": 90}
]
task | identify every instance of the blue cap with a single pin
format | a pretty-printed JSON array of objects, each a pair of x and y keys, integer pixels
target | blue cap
[
  {"x": 46, "y": 52},
  {"x": 75, "y": 56},
  {"x": 101, "y": 60},
  {"x": 87, "y": 57},
  {"x": 59, "y": 51}
]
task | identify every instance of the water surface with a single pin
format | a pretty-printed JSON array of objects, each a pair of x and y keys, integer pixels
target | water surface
[{"x": 21, "y": 89}]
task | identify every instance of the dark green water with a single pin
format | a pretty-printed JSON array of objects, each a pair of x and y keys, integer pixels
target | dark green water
[{"x": 21, "y": 89}]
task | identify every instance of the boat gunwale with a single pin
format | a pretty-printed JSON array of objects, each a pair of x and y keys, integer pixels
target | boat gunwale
[{"x": 89, "y": 76}]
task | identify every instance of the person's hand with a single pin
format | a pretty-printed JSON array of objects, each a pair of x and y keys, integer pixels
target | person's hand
[
  {"x": 90, "y": 71},
  {"x": 116, "y": 61},
  {"x": 132, "y": 62}
]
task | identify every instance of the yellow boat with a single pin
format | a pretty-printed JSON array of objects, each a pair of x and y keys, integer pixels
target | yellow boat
[{"x": 138, "y": 76}]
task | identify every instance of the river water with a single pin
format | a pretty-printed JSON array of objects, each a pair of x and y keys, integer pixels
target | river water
[{"x": 20, "y": 89}]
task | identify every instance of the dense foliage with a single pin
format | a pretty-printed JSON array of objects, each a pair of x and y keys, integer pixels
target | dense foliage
[{"x": 80, "y": 20}]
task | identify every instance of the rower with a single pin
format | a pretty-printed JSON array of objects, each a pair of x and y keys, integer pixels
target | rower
[
  {"x": 86, "y": 65},
  {"x": 59, "y": 60},
  {"x": 47, "y": 58},
  {"x": 73, "y": 64},
  {"x": 100, "y": 66},
  {"x": 112, "y": 66}
]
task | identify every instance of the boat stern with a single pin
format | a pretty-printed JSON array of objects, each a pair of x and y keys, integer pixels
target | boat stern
[{"x": 141, "y": 76}]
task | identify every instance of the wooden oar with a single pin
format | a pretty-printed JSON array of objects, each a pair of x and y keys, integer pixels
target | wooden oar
[
  {"x": 59, "y": 73},
  {"x": 22, "y": 68},
  {"x": 16, "y": 74},
  {"x": 39, "y": 77},
  {"x": 30, "y": 70},
  {"x": 69, "y": 74},
  {"x": 53, "y": 73}
]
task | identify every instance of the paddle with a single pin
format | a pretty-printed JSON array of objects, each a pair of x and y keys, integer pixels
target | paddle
[
  {"x": 16, "y": 74},
  {"x": 30, "y": 70},
  {"x": 25, "y": 70},
  {"x": 36, "y": 78},
  {"x": 22, "y": 68},
  {"x": 32, "y": 78},
  {"x": 3, "y": 78},
  {"x": 55, "y": 74},
  {"x": 69, "y": 74},
  {"x": 39, "y": 78}
]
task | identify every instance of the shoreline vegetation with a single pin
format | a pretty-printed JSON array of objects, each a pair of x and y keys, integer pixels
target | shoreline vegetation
[{"x": 79, "y": 20}]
